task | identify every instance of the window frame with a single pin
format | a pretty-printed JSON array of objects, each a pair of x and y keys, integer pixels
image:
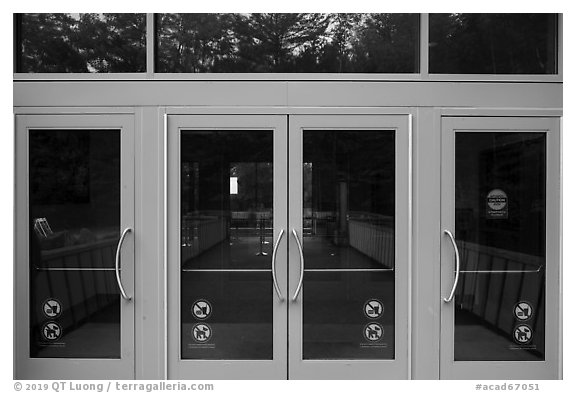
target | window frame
[{"x": 422, "y": 75}]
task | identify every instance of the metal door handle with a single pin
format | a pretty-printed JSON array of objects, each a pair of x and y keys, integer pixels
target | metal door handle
[
  {"x": 274, "y": 280},
  {"x": 449, "y": 298},
  {"x": 299, "y": 287},
  {"x": 117, "y": 266}
]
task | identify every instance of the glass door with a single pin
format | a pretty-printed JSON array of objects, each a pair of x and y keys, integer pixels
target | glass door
[
  {"x": 500, "y": 242},
  {"x": 227, "y": 271},
  {"x": 75, "y": 247},
  {"x": 349, "y": 247}
]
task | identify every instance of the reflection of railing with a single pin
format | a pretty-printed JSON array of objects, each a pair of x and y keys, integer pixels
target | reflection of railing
[
  {"x": 73, "y": 276},
  {"x": 200, "y": 234},
  {"x": 493, "y": 280},
  {"x": 373, "y": 240}
]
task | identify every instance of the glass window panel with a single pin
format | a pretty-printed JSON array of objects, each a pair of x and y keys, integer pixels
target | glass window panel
[
  {"x": 83, "y": 43},
  {"x": 493, "y": 43},
  {"x": 226, "y": 249},
  {"x": 74, "y": 212},
  {"x": 226, "y": 315},
  {"x": 287, "y": 43},
  {"x": 349, "y": 246},
  {"x": 501, "y": 232}
]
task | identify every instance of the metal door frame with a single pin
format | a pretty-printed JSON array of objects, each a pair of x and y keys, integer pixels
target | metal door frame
[
  {"x": 70, "y": 368},
  {"x": 226, "y": 369},
  {"x": 399, "y": 367},
  {"x": 550, "y": 367}
]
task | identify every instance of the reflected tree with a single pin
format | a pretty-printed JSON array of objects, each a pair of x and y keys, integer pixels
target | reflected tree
[
  {"x": 82, "y": 43},
  {"x": 304, "y": 42}
]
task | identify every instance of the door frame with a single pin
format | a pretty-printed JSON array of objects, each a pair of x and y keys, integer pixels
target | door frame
[
  {"x": 71, "y": 368},
  {"x": 399, "y": 367},
  {"x": 225, "y": 369},
  {"x": 550, "y": 367}
]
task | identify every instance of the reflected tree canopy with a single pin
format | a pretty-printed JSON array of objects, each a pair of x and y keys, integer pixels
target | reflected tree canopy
[
  {"x": 98, "y": 43},
  {"x": 332, "y": 43}
]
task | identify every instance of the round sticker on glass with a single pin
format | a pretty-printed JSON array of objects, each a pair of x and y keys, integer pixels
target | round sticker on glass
[
  {"x": 51, "y": 331},
  {"x": 201, "y": 309},
  {"x": 523, "y": 311},
  {"x": 201, "y": 332},
  {"x": 373, "y": 332},
  {"x": 523, "y": 334},
  {"x": 497, "y": 204},
  {"x": 373, "y": 309},
  {"x": 52, "y": 308}
]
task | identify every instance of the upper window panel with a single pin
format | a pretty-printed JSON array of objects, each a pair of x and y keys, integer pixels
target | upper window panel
[
  {"x": 287, "y": 43},
  {"x": 84, "y": 43},
  {"x": 493, "y": 43}
]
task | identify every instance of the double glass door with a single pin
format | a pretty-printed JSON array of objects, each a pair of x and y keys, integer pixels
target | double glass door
[{"x": 288, "y": 256}]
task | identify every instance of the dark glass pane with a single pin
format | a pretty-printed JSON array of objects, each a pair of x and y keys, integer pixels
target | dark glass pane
[
  {"x": 348, "y": 227},
  {"x": 227, "y": 226},
  {"x": 348, "y": 315},
  {"x": 74, "y": 212},
  {"x": 333, "y": 43},
  {"x": 97, "y": 43},
  {"x": 493, "y": 43},
  {"x": 226, "y": 315},
  {"x": 501, "y": 229}
]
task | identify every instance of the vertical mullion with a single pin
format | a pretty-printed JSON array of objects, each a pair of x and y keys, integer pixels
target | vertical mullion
[
  {"x": 424, "y": 38},
  {"x": 150, "y": 45},
  {"x": 559, "y": 46}
]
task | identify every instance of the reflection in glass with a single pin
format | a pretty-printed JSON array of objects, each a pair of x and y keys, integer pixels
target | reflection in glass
[
  {"x": 74, "y": 214},
  {"x": 226, "y": 244},
  {"x": 493, "y": 43},
  {"x": 348, "y": 227},
  {"x": 500, "y": 229},
  {"x": 96, "y": 43},
  {"x": 335, "y": 43}
]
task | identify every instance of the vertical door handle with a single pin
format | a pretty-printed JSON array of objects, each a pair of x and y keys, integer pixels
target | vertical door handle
[
  {"x": 117, "y": 266},
  {"x": 299, "y": 287},
  {"x": 453, "y": 241},
  {"x": 274, "y": 279}
]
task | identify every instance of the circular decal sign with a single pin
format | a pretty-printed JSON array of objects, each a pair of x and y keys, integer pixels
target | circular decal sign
[
  {"x": 523, "y": 334},
  {"x": 373, "y": 332},
  {"x": 51, "y": 331},
  {"x": 497, "y": 199},
  {"x": 373, "y": 309},
  {"x": 201, "y": 309},
  {"x": 52, "y": 308},
  {"x": 523, "y": 311},
  {"x": 201, "y": 332}
]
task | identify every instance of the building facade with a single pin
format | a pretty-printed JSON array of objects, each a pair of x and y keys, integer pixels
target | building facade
[{"x": 301, "y": 196}]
